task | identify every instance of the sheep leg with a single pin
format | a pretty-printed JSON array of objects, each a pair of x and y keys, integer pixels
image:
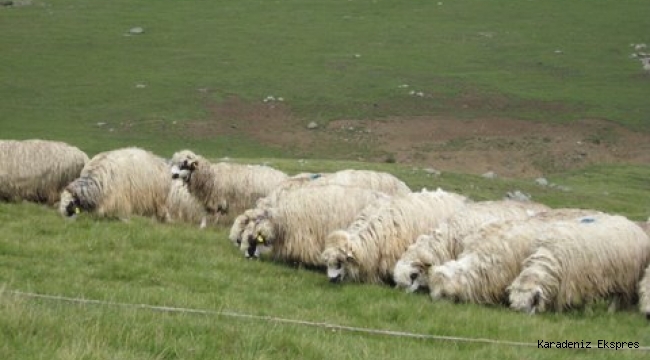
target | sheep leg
[{"x": 614, "y": 304}]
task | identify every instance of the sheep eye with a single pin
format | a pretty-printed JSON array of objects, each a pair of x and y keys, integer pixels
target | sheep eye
[{"x": 413, "y": 276}]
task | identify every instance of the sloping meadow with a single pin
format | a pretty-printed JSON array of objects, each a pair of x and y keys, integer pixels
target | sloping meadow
[
  {"x": 140, "y": 289},
  {"x": 79, "y": 71}
]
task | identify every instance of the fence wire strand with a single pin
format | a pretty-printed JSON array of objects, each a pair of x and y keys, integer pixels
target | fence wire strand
[{"x": 334, "y": 327}]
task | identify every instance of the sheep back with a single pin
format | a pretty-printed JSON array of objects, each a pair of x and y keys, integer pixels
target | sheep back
[{"x": 37, "y": 170}]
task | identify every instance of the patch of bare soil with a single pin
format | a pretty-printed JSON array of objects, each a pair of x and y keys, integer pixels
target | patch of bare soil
[{"x": 509, "y": 148}]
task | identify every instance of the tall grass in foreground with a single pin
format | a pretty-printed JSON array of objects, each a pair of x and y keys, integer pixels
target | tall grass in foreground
[{"x": 178, "y": 265}]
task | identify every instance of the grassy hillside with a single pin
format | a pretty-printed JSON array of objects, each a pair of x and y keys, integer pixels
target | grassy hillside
[
  {"x": 142, "y": 262},
  {"x": 70, "y": 71},
  {"x": 69, "y": 64}
]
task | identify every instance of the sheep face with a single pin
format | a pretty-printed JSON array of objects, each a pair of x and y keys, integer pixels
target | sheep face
[
  {"x": 526, "y": 298},
  {"x": 69, "y": 205},
  {"x": 339, "y": 258},
  {"x": 334, "y": 259},
  {"x": 183, "y": 163},
  {"x": 446, "y": 281},
  {"x": 241, "y": 223},
  {"x": 410, "y": 275},
  {"x": 258, "y": 237}
]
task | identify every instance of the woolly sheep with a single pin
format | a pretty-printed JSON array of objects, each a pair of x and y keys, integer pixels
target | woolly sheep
[
  {"x": 294, "y": 230},
  {"x": 369, "y": 179},
  {"x": 120, "y": 183},
  {"x": 373, "y": 180},
  {"x": 368, "y": 250},
  {"x": 644, "y": 294},
  {"x": 223, "y": 188},
  {"x": 243, "y": 219},
  {"x": 446, "y": 241},
  {"x": 37, "y": 170},
  {"x": 492, "y": 258},
  {"x": 579, "y": 261}
]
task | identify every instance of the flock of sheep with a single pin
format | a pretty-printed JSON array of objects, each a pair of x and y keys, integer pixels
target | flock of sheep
[{"x": 355, "y": 225}]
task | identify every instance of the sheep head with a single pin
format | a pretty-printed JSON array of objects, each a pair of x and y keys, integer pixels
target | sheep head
[
  {"x": 410, "y": 275},
  {"x": 69, "y": 205},
  {"x": 257, "y": 235},
  {"x": 240, "y": 224},
  {"x": 338, "y": 255},
  {"x": 525, "y": 297},
  {"x": 183, "y": 164},
  {"x": 446, "y": 281}
]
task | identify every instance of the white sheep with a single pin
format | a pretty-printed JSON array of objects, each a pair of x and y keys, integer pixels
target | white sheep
[
  {"x": 446, "y": 241},
  {"x": 644, "y": 293},
  {"x": 37, "y": 170},
  {"x": 369, "y": 248},
  {"x": 369, "y": 179},
  {"x": 492, "y": 258},
  {"x": 120, "y": 183},
  {"x": 294, "y": 230},
  {"x": 579, "y": 261},
  {"x": 223, "y": 188}
]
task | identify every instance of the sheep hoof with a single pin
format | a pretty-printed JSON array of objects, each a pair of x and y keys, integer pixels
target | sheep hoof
[{"x": 647, "y": 316}]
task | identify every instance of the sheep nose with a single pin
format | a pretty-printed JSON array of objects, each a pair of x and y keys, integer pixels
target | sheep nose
[
  {"x": 251, "y": 251},
  {"x": 336, "y": 279},
  {"x": 174, "y": 176}
]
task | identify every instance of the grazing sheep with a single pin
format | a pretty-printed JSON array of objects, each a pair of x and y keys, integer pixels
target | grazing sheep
[
  {"x": 120, "y": 183},
  {"x": 373, "y": 180},
  {"x": 224, "y": 188},
  {"x": 240, "y": 223},
  {"x": 644, "y": 294},
  {"x": 446, "y": 241},
  {"x": 369, "y": 248},
  {"x": 492, "y": 258},
  {"x": 579, "y": 261},
  {"x": 182, "y": 206},
  {"x": 294, "y": 230},
  {"x": 37, "y": 170}
]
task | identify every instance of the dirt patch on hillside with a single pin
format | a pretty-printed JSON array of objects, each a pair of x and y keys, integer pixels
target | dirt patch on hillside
[{"x": 509, "y": 148}]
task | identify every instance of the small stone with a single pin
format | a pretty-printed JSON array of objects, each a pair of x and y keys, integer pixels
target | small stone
[
  {"x": 136, "y": 31},
  {"x": 431, "y": 171},
  {"x": 518, "y": 196},
  {"x": 489, "y": 175},
  {"x": 541, "y": 181},
  {"x": 312, "y": 125}
]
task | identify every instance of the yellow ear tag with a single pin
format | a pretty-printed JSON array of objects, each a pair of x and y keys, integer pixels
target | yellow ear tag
[
  {"x": 260, "y": 239},
  {"x": 77, "y": 210}
]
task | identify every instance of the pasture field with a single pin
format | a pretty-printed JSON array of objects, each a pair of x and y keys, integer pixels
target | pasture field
[
  {"x": 197, "y": 78},
  {"x": 180, "y": 266}
]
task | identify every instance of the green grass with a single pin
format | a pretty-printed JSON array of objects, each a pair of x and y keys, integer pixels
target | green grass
[
  {"x": 67, "y": 66},
  {"x": 177, "y": 265},
  {"x": 142, "y": 262}
]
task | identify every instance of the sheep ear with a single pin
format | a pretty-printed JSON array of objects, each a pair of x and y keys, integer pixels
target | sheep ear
[
  {"x": 194, "y": 164},
  {"x": 420, "y": 265}
]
